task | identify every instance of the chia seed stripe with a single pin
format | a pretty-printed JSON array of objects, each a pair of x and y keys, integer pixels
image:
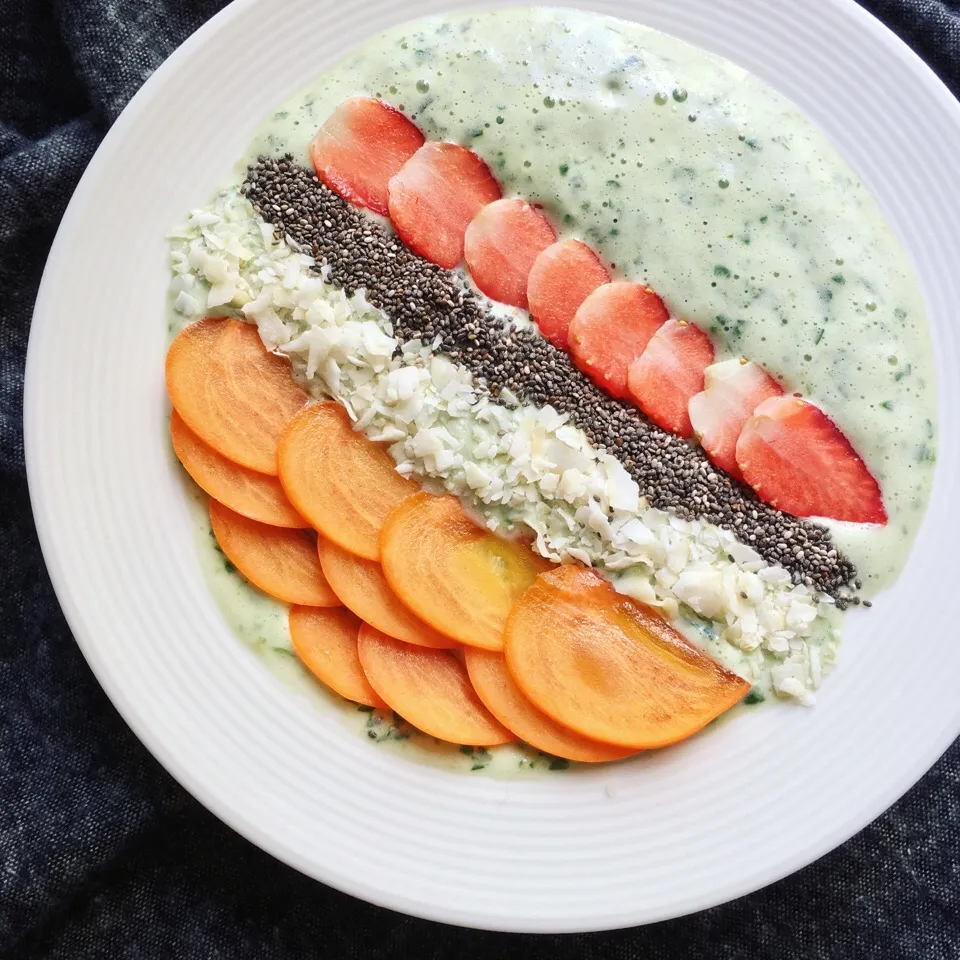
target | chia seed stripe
[{"x": 427, "y": 301}]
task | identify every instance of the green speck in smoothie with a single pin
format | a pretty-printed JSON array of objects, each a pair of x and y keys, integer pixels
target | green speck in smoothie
[
  {"x": 819, "y": 335},
  {"x": 564, "y": 169},
  {"x": 558, "y": 763},
  {"x": 423, "y": 86},
  {"x": 499, "y": 119},
  {"x": 679, "y": 94},
  {"x": 660, "y": 99},
  {"x": 838, "y": 278},
  {"x": 871, "y": 307},
  {"x": 549, "y": 102},
  {"x": 723, "y": 183},
  {"x": 721, "y": 271},
  {"x": 753, "y": 697},
  {"x": 886, "y": 405},
  {"x": 393, "y": 89}
]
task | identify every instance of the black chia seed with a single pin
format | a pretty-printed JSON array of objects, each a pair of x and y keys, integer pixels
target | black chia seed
[{"x": 426, "y": 301}]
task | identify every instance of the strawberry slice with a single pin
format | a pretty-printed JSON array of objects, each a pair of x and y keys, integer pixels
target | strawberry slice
[
  {"x": 435, "y": 195},
  {"x": 561, "y": 278},
  {"x": 611, "y": 329},
  {"x": 500, "y": 247},
  {"x": 798, "y": 461},
  {"x": 733, "y": 389},
  {"x": 361, "y": 146},
  {"x": 669, "y": 372}
]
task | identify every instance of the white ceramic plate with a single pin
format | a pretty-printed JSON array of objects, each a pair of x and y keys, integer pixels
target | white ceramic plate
[{"x": 672, "y": 833}]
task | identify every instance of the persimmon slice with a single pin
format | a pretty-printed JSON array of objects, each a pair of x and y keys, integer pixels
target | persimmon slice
[
  {"x": 340, "y": 481},
  {"x": 282, "y": 563},
  {"x": 428, "y": 688},
  {"x": 231, "y": 392},
  {"x": 502, "y": 697},
  {"x": 362, "y": 587},
  {"x": 251, "y": 494},
  {"x": 610, "y": 668},
  {"x": 458, "y": 577},
  {"x": 326, "y": 643}
]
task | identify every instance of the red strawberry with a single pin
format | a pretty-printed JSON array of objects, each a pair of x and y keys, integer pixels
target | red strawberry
[
  {"x": 612, "y": 329},
  {"x": 361, "y": 146},
  {"x": 435, "y": 195},
  {"x": 733, "y": 390},
  {"x": 669, "y": 372},
  {"x": 798, "y": 461},
  {"x": 561, "y": 278},
  {"x": 501, "y": 244}
]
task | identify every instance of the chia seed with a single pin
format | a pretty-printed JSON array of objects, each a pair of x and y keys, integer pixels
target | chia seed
[{"x": 427, "y": 302}]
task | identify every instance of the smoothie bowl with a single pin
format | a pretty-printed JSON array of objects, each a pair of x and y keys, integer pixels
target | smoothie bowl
[
  {"x": 553, "y": 388},
  {"x": 498, "y": 557}
]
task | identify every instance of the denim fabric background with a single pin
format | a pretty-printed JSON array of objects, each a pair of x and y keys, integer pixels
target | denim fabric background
[{"x": 102, "y": 855}]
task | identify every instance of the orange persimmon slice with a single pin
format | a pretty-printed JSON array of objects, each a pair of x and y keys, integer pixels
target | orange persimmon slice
[
  {"x": 502, "y": 697},
  {"x": 458, "y": 577},
  {"x": 428, "y": 688},
  {"x": 231, "y": 392},
  {"x": 609, "y": 667},
  {"x": 251, "y": 494},
  {"x": 326, "y": 643},
  {"x": 344, "y": 484},
  {"x": 282, "y": 563},
  {"x": 362, "y": 588}
]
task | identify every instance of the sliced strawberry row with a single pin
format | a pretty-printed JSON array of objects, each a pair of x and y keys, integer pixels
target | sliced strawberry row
[
  {"x": 798, "y": 461},
  {"x": 446, "y": 206},
  {"x": 733, "y": 389}
]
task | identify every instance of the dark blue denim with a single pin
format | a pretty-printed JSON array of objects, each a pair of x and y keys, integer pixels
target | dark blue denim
[{"x": 102, "y": 855}]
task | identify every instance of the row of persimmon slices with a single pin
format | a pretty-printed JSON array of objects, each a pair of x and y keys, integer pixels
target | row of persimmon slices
[
  {"x": 401, "y": 599},
  {"x": 447, "y": 206}
]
